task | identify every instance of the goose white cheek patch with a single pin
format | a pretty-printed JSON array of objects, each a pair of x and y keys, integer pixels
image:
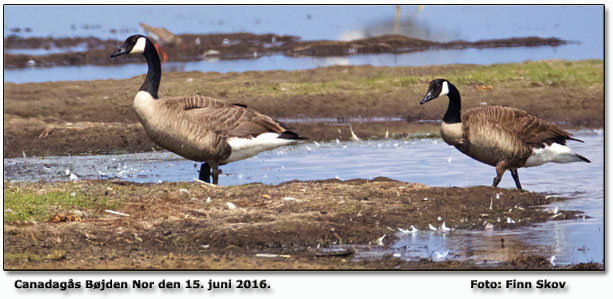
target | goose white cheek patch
[
  {"x": 444, "y": 90},
  {"x": 139, "y": 47}
]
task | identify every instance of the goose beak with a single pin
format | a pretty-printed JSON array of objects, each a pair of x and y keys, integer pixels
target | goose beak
[
  {"x": 120, "y": 51},
  {"x": 428, "y": 97}
]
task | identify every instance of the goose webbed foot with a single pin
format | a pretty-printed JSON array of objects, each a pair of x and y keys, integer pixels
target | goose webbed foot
[
  {"x": 205, "y": 173},
  {"x": 515, "y": 176}
]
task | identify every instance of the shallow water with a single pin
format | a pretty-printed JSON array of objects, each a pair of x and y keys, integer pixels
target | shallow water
[
  {"x": 581, "y": 24},
  {"x": 280, "y": 62},
  {"x": 426, "y": 161},
  {"x": 52, "y": 50}
]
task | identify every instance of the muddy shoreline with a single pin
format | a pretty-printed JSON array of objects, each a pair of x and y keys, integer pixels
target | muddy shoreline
[
  {"x": 96, "y": 117},
  {"x": 194, "y": 47},
  {"x": 293, "y": 225}
]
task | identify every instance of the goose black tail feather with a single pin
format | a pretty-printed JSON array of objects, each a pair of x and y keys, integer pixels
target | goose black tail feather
[
  {"x": 583, "y": 158},
  {"x": 290, "y": 135},
  {"x": 575, "y": 139},
  {"x": 559, "y": 140}
]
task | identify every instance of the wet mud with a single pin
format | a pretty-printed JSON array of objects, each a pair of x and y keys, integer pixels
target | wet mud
[
  {"x": 97, "y": 117},
  {"x": 193, "y": 47},
  {"x": 292, "y": 225}
]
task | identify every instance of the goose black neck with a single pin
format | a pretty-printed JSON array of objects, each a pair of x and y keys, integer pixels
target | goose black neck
[
  {"x": 453, "y": 110},
  {"x": 154, "y": 72}
]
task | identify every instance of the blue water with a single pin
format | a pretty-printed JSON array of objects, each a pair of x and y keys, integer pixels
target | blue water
[
  {"x": 280, "y": 62},
  {"x": 51, "y": 50},
  {"x": 426, "y": 161},
  {"x": 581, "y": 24}
]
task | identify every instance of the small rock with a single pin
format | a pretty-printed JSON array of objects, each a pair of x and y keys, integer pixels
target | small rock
[{"x": 79, "y": 213}]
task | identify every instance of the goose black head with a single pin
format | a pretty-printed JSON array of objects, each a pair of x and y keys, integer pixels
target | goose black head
[
  {"x": 134, "y": 44},
  {"x": 438, "y": 88}
]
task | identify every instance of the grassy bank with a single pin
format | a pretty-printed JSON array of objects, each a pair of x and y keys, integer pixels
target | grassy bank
[{"x": 50, "y": 118}]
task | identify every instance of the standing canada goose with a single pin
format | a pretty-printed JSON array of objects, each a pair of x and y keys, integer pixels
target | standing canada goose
[
  {"x": 200, "y": 128},
  {"x": 504, "y": 137}
]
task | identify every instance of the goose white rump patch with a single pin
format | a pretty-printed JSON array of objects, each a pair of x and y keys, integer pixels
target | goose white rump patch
[
  {"x": 551, "y": 153},
  {"x": 243, "y": 148}
]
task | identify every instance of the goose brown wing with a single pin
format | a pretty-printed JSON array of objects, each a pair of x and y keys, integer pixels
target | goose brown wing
[
  {"x": 224, "y": 118},
  {"x": 519, "y": 123}
]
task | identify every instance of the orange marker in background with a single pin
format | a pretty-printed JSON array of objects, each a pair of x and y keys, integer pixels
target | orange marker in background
[{"x": 161, "y": 52}]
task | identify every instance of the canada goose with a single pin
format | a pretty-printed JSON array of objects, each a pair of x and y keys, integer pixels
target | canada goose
[
  {"x": 504, "y": 137},
  {"x": 200, "y": 128},
  {"x": 161, "y": 34}
]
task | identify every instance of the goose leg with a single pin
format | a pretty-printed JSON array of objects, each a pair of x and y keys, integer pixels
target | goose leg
[
  {"x": 215, "y": 172},
  {"x": 515, "y": 176},
  {"x": 205, "y": 173},
  {"x": 501, "y": 167}
]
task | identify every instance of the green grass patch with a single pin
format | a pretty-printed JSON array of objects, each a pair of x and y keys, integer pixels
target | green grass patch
[
  {"x": 578, "y": 74},
  {"x": 573, "y": 74},
  {"x": 26, "y": 204},
  {"x": 8, "y": 257}
]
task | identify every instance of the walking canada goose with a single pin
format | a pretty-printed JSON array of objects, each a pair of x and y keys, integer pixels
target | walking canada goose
[
  {"x": 504, "y": 137},
  {"x": 200, "y": 128}
]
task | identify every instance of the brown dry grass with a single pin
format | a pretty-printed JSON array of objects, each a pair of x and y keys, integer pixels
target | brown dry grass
[{"x": 192, "y": 226}]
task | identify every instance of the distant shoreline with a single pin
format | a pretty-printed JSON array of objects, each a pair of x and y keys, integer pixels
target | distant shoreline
[{"x": 232, "y": 46}]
